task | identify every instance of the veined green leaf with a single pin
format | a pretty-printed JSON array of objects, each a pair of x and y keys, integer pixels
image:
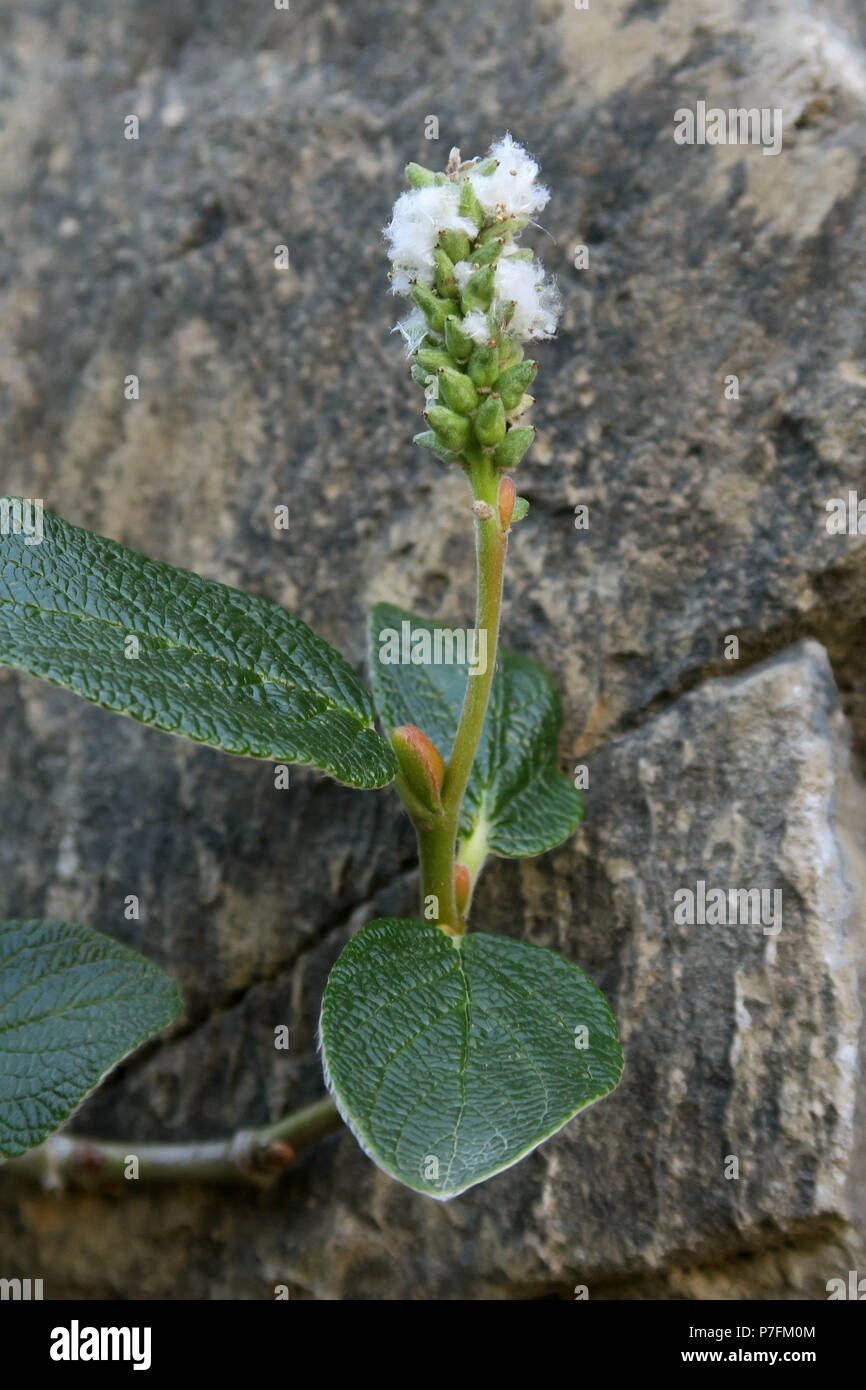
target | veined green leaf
[
  {"x": 72, "y": 1004},
  {"x": 185, "y": 654},
  {"x": 518, "y": 802},
  {"x": 450, "y": 1058}
]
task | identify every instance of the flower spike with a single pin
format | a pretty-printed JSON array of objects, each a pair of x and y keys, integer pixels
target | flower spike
[{"x": 478, "y": 297}]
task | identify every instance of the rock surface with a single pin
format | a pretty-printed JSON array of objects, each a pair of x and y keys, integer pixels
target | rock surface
[{"x": 706, "y": 520}]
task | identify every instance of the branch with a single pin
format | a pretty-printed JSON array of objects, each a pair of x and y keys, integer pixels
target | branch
[
  {"x": 256, "y": 1156},
  {"x": 437, "y": 844}
]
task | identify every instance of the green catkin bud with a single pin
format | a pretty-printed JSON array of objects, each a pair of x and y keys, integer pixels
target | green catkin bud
[
  {"x": 487, "y": 254},
  {"x": 487, "y": 166},
  {"x": 454, "y": 244},
  {"x": 509, "y": 226},
  {"x": 432, "y": 358},
  {"x": 504, "y": 313},
  {"x": 458, "y": 343},
  {"x": 509, "y": 353},
  {"x": 515, "y": 444},
  {"x": 512, "y": 383},
  {"x": 434, "y": 309},
  {"x": 469, "y": 204},
  {"x": 478, "y": 292},
  {"x": 483, "y": 365},
  {"x": 454, "y": 430},
  {"x": 443, "y": 275},
  {"x": 489, "y": 422},
  {"x": 457, "y": 391},
  {"x": 418, "y": 176},
  {"x": 525, "y": 403}
]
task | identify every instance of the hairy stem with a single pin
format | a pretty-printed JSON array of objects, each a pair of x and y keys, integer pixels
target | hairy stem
[
  {"x": 437, "y": 842},
  {"x": 251, "y": 1156}
]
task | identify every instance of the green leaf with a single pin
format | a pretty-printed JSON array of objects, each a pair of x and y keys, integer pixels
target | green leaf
[
  {"x": 185, "y": 654},
  {"x": 450, "y": 1058},
  {"x": 517, "y": 803},
  {"x": 72, "y": 1004}
]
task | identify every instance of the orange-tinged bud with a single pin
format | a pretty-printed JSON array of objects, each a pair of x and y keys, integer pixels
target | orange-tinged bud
[
  {"x": 506, "y": 496},
  {"x": 462, "y": 887},
  {"x": 421, "y": 765}
]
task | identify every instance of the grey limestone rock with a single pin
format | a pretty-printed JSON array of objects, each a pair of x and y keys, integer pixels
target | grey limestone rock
[{"x": 707, "y": 519}]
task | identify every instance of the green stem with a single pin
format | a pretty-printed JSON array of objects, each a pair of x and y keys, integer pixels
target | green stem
[
  {"x": 250, "y": 1156},
  {"x": 436, "y": 856},
  {"x": 437, "y": 842}
]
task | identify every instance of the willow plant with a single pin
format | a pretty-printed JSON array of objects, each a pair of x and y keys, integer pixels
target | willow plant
[{"x": 450, "y": 1053}]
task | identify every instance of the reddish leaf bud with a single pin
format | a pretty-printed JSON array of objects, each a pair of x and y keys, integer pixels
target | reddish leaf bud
[
  {"x": 507, "y": 494},
  {"x": 421, "y": 765}
]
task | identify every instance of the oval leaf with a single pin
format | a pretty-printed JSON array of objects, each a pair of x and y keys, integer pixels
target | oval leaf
[
  {"x": 450, "y": 1058},
  {"x": 72, "y": 1004},
  {"x": 517, "y": 803},
  {"x": 185, "y": 654}
]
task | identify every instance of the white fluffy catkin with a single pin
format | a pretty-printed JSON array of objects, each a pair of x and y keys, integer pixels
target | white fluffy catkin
[
  {"x": 509, "y": 190},
  {"x": 418, "y": 218}
]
